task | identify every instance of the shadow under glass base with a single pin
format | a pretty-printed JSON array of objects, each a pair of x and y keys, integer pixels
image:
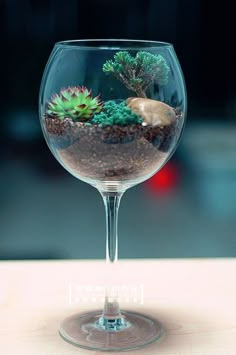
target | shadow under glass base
[{"x": 92, "y": 331}]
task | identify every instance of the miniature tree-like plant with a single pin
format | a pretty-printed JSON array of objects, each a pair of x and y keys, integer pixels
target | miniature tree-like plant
[{"x": 137, "y": 73}]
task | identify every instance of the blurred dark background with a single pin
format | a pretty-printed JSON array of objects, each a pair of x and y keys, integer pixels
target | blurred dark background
[{"x": 186, "y": 210}]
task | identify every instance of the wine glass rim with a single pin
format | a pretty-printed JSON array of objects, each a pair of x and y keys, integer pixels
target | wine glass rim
[{"x": 113, "y": 44}]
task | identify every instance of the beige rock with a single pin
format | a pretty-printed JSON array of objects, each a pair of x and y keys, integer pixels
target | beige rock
[{"x": 153, "y": 112}]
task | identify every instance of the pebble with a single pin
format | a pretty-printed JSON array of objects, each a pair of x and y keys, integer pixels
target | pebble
[{"x": 153, "y": 112}]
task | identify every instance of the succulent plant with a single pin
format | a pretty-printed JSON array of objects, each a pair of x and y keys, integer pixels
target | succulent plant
[
  {"x": 116, "y": 114},
  {"x": 138, "y": 72},
  {"x": 74, "y": 102}
]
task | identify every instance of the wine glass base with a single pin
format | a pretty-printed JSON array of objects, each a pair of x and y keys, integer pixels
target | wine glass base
[{"x": 87, "y": 331}]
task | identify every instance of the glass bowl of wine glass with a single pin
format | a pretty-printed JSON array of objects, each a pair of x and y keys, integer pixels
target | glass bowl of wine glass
[{"x": 112, "y": 113}]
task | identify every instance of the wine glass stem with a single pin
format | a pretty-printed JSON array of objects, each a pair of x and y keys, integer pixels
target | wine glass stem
[
  {"x": 111, "y": 318},
  {"x": 112, "y": 203}
]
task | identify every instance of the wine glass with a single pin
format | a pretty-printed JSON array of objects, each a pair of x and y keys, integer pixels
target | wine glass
[{"x": 112, "y": 113}]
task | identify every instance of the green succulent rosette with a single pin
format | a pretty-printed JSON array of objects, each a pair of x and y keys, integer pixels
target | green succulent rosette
[{"x": 75, "y": 103}]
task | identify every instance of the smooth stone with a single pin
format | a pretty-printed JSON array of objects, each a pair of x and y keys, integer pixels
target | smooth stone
[{"x": 153, "y": 112}]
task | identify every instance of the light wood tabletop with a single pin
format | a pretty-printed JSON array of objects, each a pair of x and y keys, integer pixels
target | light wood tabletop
[{"x": 195, "y": 299}]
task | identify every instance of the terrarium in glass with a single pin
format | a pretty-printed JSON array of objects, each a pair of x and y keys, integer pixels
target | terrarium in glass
[{"x": 112, "y": 113}]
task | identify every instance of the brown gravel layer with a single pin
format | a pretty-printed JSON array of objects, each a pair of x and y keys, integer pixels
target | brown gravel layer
[
  {"x": 112, "y": 153},
  {"x": 61, "y": 133}
]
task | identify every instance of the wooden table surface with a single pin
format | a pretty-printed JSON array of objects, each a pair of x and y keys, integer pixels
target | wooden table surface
[{"x": 194, "y": 299}]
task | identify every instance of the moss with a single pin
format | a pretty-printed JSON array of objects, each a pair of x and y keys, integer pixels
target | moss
[{"x": 116, "y": 114}]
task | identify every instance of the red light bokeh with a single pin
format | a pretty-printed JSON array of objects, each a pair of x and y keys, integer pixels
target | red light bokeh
[{"x": 165, "y": 180}]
